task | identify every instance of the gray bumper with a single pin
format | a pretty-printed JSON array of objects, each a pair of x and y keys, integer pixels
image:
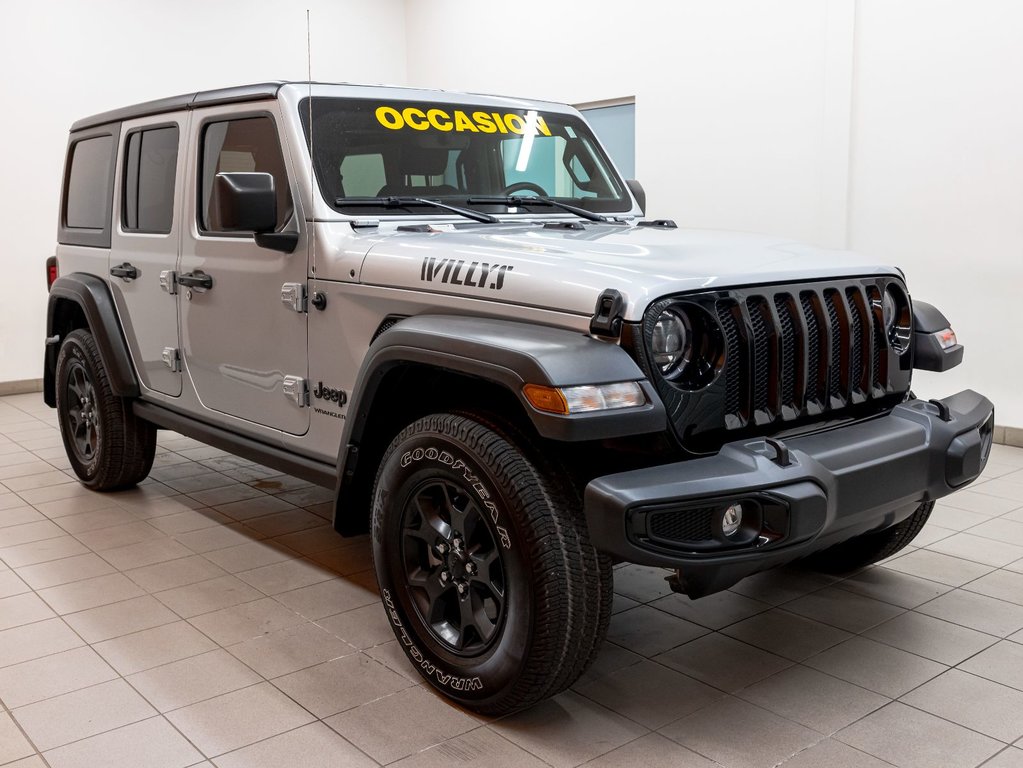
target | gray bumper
[{"x": 836, "y": 484}]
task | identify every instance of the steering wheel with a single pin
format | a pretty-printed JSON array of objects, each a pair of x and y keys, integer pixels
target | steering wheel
[{"x": 523, "y": 186}]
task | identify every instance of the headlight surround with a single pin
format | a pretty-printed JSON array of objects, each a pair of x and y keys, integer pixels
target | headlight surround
[
  {"x": 669, "y": 341},
  {"x": 897, "y": 317}
]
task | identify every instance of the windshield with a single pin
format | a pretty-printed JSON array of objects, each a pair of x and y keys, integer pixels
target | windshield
[{"x": 375, "y": 148}]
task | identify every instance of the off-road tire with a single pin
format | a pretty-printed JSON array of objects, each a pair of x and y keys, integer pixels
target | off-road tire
[
  {"x": 871, "y": 547},
  {"x": 557, "y": 589},
  {"x": 108, "y": 446}
]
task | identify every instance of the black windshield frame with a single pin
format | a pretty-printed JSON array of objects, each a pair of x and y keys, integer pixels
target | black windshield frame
[{"x": 349, "y": 127}]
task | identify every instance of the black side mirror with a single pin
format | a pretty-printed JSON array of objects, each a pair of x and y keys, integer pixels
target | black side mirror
[
  {"x": 247, "y": 201},
  {"x": 638, "y": 192}
]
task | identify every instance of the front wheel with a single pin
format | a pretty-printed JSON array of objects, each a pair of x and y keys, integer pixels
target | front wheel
[
  {"x": 871, "y": 547},
  {"x": 484, "y": 564},
  {"x": 108, "y": 446}
]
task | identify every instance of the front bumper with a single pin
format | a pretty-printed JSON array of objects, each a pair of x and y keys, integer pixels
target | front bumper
[{"x": 831, "y": 486}]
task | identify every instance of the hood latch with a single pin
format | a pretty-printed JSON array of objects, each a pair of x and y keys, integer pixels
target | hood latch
[{"x": 607, "y": 317}]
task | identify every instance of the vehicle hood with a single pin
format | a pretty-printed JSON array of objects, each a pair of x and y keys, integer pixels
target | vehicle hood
[{"x": 567, "y": 269}]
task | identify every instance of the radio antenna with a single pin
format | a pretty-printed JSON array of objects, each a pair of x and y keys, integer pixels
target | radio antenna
[{"x": 309, "y": 102}]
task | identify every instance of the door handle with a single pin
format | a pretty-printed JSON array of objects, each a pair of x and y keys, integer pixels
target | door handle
[
  {"x": 125, "y": 271},
  {"x": 196, "y": 280}
]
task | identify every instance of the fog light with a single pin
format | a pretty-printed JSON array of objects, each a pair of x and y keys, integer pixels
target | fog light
[{"x": 731, "y": 520}]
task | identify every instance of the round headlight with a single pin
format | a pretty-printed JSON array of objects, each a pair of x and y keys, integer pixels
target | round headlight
[
  {"x": 898, "y": 323},
  {"x": 889, "y": 310},
  {"x": 669, "y": 341}
]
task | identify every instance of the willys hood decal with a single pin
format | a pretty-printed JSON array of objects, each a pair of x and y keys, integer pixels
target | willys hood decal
[{"x": 567, "y": 269}]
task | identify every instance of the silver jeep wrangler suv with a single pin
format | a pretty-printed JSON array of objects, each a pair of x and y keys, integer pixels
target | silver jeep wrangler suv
[{"x": 449, "y": 309}]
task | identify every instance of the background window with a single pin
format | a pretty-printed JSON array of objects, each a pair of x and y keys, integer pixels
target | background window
[
  {"x": 363, "y": 175},
  {"x": 616, "y": 128},
  {"x": 152, "y": 158},
  {"x": 246, "y": 145},
  {"x": 88, "y": 189}
]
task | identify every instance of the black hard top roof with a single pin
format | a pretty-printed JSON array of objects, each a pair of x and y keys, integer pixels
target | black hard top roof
[{"x": 184, "y": 101}]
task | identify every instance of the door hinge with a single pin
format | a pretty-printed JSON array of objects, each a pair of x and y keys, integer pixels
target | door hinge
[
  {"x": 296, "y": 388},
  {"x": 169, "y": 281},
  {"x": 293, "y": 296},
  {"x": 172, "y": 359}
]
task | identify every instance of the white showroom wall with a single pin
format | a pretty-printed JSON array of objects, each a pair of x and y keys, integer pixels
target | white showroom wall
[
  {"x": 892, "y": 128},
  {"x": 64, "y": 60}
]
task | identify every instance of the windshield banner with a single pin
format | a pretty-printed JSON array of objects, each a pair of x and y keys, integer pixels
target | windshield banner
[{"x": 435, "y": 118}]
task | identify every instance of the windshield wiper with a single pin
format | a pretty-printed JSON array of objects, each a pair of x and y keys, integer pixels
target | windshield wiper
[
  {"x": 395, "y": 201},
  {"x": 517, "y": 200}
]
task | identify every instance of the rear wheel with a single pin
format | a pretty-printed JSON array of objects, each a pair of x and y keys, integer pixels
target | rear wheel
[
  {"x": 108, "y": 446},
  {"x": 484, "y": 564},
  {"x": 871, "y": 547}
]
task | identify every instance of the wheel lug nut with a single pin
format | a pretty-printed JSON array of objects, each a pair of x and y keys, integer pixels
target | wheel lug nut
[
  {"x": 461, "y": 586},
  {"x": 442, "y": 548},
  {"x": 470, "y": 568},
  {"x": 445, "y": 577}
]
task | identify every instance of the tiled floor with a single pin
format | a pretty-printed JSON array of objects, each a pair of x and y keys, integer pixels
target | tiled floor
[{"x": 211, "y": 617}]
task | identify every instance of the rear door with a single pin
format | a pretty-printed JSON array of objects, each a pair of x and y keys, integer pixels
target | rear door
[
  {"x": 144, "y": 246},
  {"x": 243, "y": 348}
]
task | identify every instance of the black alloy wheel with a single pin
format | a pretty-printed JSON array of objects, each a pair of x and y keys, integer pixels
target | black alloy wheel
[{"x": 80, "y": 417}]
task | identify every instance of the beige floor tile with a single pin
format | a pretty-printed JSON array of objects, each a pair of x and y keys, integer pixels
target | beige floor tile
[
  {"x": 641, "y": 583},
  {"x": 29, "y": 762},
  {"x": 481, "y": 748},
  {"x": 1000, "y": 584},
  {"x": 610, "y": 659},
  {"x": 22, "y": 609},
  {"x": 393, "y": 656},
  {"x": 255, "y": 507},
  {"x": 983, "y": 503},
  {"x": 55, "y": 492},
  {"x": 285, "y": 576},
  {"x": 80, "y": 714},
  {"x": 125, "y": 617},
  {"x": 651, "y": 751},
  {"x": 206, "y": 596},
  {"x": 954, "y": 519},
  {"x": 226, "y": 495},
  {"x": 340, "y": 685},
  {"x": 253, "y": 554},
  {"x": 427, "y": 724},
  {"x": 96, "y": 520},
  {"x": 786, "y": 634},
  {"x": 52, "y": 675},
  {"x": 237, "y": 719},
  {"x": 219, "y": 537},
  {"x": 33, "y": 641},
  {"x": 327, "y": 598},
  {"x": 783, "y": 584},
  {"x": 713, "y": 611},
  {"x": 877, "y": 667},
  {"x": 914, "y": 739},
  {"x": 63, "y": 571},
  {"x": 945, "y": 569},
  {"x": 39, "y": 480},
  {"x": 814, "y": 699},
  {"x": 829, "y": 753},
  {"x": 311, "y": 746},
  {"x": 1010, "y": 757},
  {"x": 175, "y": 573},
  {"x": 19, "y": 515},
  {"x": 319, "y": 539},
  {"x": 198, "y": 482},
  {"x": 119, "y": 536},
  {"x": 11, "y": 584},
  {"x": 982, "y": 705},
  {"x": 152, "y": 647},
  {"x": 76, "y": 505},
  {"x": 291, "y": 649},
  {"x": 762, "y": 740},
  {"x": 360, "y": 627},
  {"x": 13, "y": 535},
  {"x": 152, "y": 743},
  {"x": 931, "y": 638},
  {"x": 141, "y": 554},
  {"x": 90, "y": 593},
  {"x": 1002, "y": 663},
  {"x": 722, "y": 662},
  {"x": 648, "y": 631},
  {"x": 893, "y": 587},
  {"x": 192, "y": 680},
  {"x": 248, "y": 620},
  {"x": 842, "y": 609},
  {"x": 188, "y": 520},
  {"x": 649, "y": 694},
  {"x": 285, "y": 522},
  {"x": 346, "y": 560},
  {"x": 980, "y": 612},
  {"x": 13, "y": 744},
  {"x": 306, "y": 496},
  {"x": 26, "y": 469},
  {"x": 978, "y": 549}
]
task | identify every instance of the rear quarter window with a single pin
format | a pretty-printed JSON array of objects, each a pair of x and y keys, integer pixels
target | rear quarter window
[{"x": 88, "y": 190}]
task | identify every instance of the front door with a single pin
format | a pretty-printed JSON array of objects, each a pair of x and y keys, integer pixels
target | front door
[
  {"x": 144, "y": 246},
  {"x": 239, "y": 341}
]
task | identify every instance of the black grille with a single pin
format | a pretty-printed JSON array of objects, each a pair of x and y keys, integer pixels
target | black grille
[
  {"x": 843, "y": 360},
  {"x": 683, "y": 526}
]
